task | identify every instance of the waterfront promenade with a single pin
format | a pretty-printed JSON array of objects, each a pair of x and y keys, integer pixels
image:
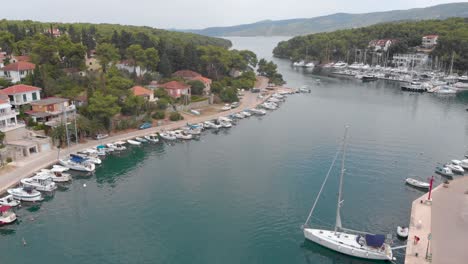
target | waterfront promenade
[
  {"x": 446, "y": 219},
  {"x": 26, "y": 168}
]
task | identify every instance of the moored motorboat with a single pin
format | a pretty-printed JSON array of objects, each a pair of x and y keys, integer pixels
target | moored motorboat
[
  {"x": 140, "y": 139},
  {"x": 9, "y": 200},
  {"x": 26, "y": 194},
  {"x": 246, "y": 113},
  {"x": 78, "y": 164},
  {"x": 7, "y": 216},
  {"x": 464, "y": 163},
  {"x": 225, "y": 124},
  {"x": 117, "y": 146},
  {"x": 455, "y": 168},
  {"x": 133, "y": 142},
  {"x": 444, "y": 171},
  {"x": 89, "y": 157},
  {"x": 180, "y": 134},
  {"x": 417, "y": 183},
  {"x": 402, "y": 232},
  {"x": 168, "y": 135},
  {"x": 210, "y": 124},
  {"x": 152, "y": 138},
  {"x": 41, "y": 182},
  {"x": 58, "y": 173},
  {"x": 258, "y": 111}
]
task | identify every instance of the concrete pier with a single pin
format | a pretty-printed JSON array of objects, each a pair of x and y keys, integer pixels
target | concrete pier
[{"x": 441, "y": 225}]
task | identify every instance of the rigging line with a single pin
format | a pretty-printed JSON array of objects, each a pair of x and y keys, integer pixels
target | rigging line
[{"x": 321, "y": 188}]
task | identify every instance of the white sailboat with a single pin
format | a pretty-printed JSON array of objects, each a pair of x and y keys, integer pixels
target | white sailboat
[{"x": 346, "y": 241}]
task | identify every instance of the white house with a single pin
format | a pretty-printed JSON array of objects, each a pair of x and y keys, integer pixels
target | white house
[
  {"x": 22, "y": 94},
  {"x": 8, "y": 120},
  {"x": 17, "y": 71},
  {"x": 129, "y": 65},
  {"x": 429, "y": 41},
  {"x": 381, "y": 44},
  {"x": 411, "y": 59}
]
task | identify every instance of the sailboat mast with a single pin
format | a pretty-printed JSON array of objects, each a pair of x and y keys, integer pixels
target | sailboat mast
[{"x": 340, "y": 192}]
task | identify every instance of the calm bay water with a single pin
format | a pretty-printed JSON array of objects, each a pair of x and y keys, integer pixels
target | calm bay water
[{"x": 240, "y": 196}]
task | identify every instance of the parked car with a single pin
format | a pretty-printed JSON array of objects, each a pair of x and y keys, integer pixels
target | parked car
[
  {"x": 145, "y": 125},
  {"x": 226, "y": 107},
  {"x": 235, "y": 104},
  {"x": 101, "y": 136}
]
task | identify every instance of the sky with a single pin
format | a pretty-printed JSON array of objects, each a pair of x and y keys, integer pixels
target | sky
[{"x": 195, "y": 14}]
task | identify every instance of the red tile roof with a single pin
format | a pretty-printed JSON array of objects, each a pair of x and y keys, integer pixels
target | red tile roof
[
  {"x": 19, "y": 66},
  {"x": 186, "y": 74},
  {"x": 4, "y": 101},
  {"x": 23, "y": 58},
  {"x": 174, "y": 85},
  {"x": 20, "y": 88},
  {"x": 431, "y": 36},
  {"x": 202, "y": 79},
  {"x": 138, "y": 91}
]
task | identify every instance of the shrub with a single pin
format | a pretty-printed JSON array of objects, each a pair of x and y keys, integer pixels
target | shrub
[
  {"x": 159, "y": 115},
  {"x": 175, "y": 116},
  {"x": 9, "y": 159}
]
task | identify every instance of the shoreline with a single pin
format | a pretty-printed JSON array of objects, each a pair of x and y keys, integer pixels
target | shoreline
[{"x": 29, "y": 166}]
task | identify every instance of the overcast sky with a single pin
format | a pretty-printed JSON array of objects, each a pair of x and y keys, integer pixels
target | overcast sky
[{"x": 194, "y": 14}]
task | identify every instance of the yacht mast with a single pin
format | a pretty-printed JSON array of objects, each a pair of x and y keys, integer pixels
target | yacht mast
[{"x": 340, "y": 192}]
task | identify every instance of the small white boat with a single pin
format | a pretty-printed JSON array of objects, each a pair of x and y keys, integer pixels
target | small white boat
[
  {"x": 246, "y": 113},
  {"x": 258, "y": 111},
  {"x": 210, "y": 124},
  {"x": 6, "y": 215},
  {"x": 444, "y": 171},
  {"x": 133, "y": 142},
  {"x": 78, "y": 164},
  {"x": 455, "y": 168},
  {"x": 152, "y": 138},
  {"x": 9, "y": 200},
  {"x": 309, "y": 65},
  {"x": 269, "y": 106},
  {"x": 58, "y": 173},
  {"x": 168, "y": 135},
  {"x": 41, "y": 182},
  {"x": 273, "y": 100},
  {"x": 417, "y": 184},
  {"x": 402, "y": 231},
  {"x": 140, "y": 139},
  {"x": 225, "y": 119},
  {"x": 182, "y": 135},
  {"x": 88, "y": 157},
  {"x": 278, "y": 96},
  {"x": 464, "y": 163},
  {"x": 238, "y": 116},
  {"x": 225, "y": 124},
  {"x": 26, "y": 194},
  {"x": 117, "y": 146},
  {"x": 193, "y": 131}
]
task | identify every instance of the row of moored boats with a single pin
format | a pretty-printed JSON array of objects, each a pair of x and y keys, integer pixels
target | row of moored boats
[{"x": 46, "y": 180}]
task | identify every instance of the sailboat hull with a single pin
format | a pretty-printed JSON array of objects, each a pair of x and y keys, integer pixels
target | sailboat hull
[{"x": 347, "y": 244}]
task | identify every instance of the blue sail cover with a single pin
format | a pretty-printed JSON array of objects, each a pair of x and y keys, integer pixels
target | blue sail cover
[
  {"x": 375, "y": 240},
  {"x": 77, "y": 159}
]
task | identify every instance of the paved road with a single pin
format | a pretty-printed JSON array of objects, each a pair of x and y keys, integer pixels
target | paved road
[
  {"x": 26, "y": 168},
  {"x": 450, "y": 223}
]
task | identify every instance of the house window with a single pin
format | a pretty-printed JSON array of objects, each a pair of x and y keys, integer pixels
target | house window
[
  {"x": 22, "y": 72},
  {"x": 25, "y": 98},
  {"x": 34, "y": 96}
]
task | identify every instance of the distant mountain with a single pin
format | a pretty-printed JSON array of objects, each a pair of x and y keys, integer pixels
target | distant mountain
[{"x": 302, "y": 26}]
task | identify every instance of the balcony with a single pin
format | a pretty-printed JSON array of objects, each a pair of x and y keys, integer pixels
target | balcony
[
  {"x": 9, "y": 113},
  {"x": 11, "y": 126}
]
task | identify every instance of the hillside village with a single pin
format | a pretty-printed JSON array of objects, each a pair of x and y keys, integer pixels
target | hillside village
[{"x": 60, "y": 84}]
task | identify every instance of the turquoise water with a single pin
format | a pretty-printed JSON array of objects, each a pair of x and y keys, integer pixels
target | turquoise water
[{"x": 241, "y": 195}]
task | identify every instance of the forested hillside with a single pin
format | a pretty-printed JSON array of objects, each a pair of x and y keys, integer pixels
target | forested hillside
[{"x": 338, "y": 45}]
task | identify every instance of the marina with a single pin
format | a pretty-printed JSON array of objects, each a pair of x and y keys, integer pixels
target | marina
[{"x": 263, "y": 194}]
